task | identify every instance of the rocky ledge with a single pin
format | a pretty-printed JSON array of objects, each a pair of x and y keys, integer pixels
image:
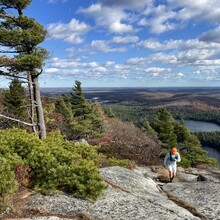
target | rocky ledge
[{"x": 139, "y": 194}]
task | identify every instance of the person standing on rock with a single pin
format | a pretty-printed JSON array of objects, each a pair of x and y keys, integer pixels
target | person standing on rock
[{"x": 170, "y": 162}]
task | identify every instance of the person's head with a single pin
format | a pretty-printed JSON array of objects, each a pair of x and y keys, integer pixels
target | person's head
[{"x": 174, "y": 150}]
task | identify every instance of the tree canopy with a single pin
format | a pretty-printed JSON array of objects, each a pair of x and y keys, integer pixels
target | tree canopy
[{"x": 20, "y": 37}]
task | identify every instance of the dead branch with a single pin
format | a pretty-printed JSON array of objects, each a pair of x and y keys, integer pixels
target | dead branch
[{"x": 14, "y": 119}]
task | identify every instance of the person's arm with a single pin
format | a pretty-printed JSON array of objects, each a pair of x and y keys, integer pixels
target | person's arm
[{"x": 178, "y": 158}]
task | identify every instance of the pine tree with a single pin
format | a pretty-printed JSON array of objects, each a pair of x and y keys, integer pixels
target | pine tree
[
  {"x": 82, "y": 116},
  {"x": 20, "y": 36},
  {"x": 14, "y": 99},
  {"x": 164, "y": 126},
  {"x": 77, "y": 96},
  {"x": 110, "y": 113},
  {"x": 181, "y": 131},
  {"x": 145, "y": 125}
]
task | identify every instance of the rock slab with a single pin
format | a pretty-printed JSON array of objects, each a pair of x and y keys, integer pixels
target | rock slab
[{"x": 131, "y": 196}]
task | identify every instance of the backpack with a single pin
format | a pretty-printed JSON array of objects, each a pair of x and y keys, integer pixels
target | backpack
[{"x": 172, "y": 157}]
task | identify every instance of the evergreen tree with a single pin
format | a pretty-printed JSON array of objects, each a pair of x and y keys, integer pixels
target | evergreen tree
[
  {"x": 20, "y": 36},
  {"x": 181, "y": 131},
  {"x": 80, "y": 106},
  {"x": 82, "y": 117},
  {"x": 110, "y": 113},
  {"x": 164, "y": 126},
  {"x": 14, "y": 99},
  {"x": 77, "y": 96},
  {"x": 145, "y": 125}
]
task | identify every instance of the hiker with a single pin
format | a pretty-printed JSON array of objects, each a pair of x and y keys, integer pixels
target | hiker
[{"x": 170, "y": 162}]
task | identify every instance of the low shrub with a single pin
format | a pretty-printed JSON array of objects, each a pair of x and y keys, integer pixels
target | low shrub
[
  {"x": 122, "y": 163},
  {"x": 54, "y": 162},
  {"x": 8, "y": 184}
]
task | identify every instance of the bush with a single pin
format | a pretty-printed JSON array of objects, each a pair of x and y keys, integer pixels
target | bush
[
  {"x": 55, "y": 163},
  {"x": 8, "y": 184},
  {"x": 122, "y": 163}
]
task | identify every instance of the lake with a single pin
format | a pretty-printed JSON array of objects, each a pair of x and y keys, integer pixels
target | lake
[
  {"x": 204, "y": 126},
  {"x": 196, "y": 126},
  {"x": 212, "y": 152}
]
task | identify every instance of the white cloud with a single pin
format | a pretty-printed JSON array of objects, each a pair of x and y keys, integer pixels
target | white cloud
[
  {"x": 208, "y": 10},
  {"x": 190, "y": 57},
  {"x": 100, "y": 69},
  {"x": 104, "y": 46},
  {"x": 159, "y": 19},
  {"x": 109, "y": 63},
  {"x": 71, "y": 32},
  {"x": 121, "y": 16},
  {"x": 178, "y": 44},
  {"x": 93, "y": 64},
  {"x": 55, "y": 1},
  {"x": 174, "y": 14},
  {"x": 110, "y": 18},
  {"x": 124, "y": 40},
  {"x": 63, "y": 63},
  {"x": 51, "y": 70},
  {"x": 157, "y": 72},
  {"x": 185, "y": 56},
  {"x": 180, "y": 75},
  {"x": 137, "y": 60}
]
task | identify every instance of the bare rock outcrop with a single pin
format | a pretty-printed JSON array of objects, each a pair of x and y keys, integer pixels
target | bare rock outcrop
[
  {"x": 129, "y": 195},
  {"x": 205, "y": 196},
  {"x": 138, "y": 195}
]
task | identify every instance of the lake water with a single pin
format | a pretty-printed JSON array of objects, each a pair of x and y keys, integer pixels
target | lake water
[
  {"x": 212, "y": 152},
  {"x": 204, "y": 126},
  {"x": 196, "y": 126}
]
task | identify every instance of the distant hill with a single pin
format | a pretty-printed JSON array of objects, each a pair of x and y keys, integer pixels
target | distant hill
[{"x": 171, "y": 96}]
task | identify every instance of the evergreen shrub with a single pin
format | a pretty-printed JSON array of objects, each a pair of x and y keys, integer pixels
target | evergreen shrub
[
  {"x": 8, "y": 183},
  {"x": 54, "y": 162},
  {"x": 122, "y": 163}
]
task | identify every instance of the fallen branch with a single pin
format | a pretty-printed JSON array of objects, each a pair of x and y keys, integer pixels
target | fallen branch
[{"x": 14, "y": 119}]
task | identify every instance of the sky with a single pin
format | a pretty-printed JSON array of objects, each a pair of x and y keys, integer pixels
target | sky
[{"x": 129, "y": 43}]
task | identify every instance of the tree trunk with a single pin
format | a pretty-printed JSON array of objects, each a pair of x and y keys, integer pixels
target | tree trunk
[
  {"x": 39, "y": 107},
  {"x": 32, "y": 108}
]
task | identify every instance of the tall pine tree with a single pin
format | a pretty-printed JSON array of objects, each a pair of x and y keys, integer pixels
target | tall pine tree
[
  {"x": 82, "y": 117},
  {"x": 164, "y": 126},
  {"x": 20, "y": 36}
]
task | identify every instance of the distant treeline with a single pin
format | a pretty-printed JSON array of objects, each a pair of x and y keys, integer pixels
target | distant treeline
[
  {"x": 136, "y": 113},
  {"x": 195, "y": 114},
  {"x": 209, "y": 138}
]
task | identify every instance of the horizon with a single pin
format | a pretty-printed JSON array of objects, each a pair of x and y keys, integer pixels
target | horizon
[{"x": 140, "y": 87}]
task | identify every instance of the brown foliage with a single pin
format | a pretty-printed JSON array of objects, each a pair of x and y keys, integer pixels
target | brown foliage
[{"x": 129, "y": 142}]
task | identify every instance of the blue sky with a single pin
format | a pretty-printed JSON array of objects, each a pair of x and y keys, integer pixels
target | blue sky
[{"x": 129, "y": 43}]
